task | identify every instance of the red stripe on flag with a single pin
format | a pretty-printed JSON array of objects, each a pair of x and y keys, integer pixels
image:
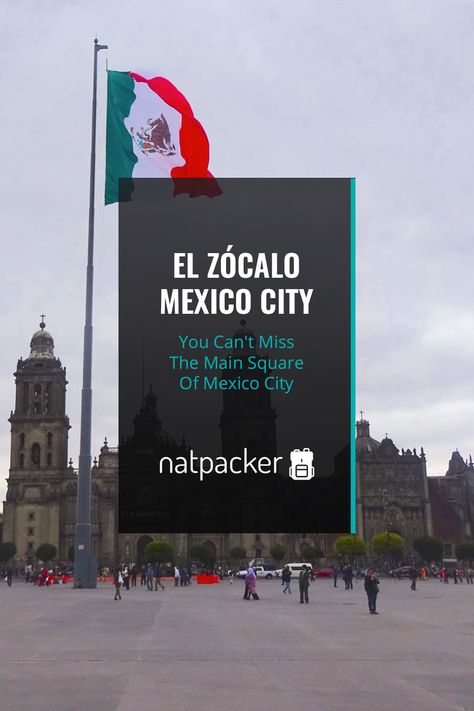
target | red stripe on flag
[{"x": 193, "y": 177}]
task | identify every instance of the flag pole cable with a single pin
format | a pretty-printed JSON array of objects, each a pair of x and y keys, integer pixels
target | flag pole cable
[{"x": 85, "y": 569}]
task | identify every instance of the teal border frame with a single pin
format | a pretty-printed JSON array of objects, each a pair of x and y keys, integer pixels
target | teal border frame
[{"x": 353, "y": 358}]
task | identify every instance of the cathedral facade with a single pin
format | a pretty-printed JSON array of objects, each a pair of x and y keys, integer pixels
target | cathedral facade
[
  {"x": 40, "y": 504},
  {"x": 393, "y": 494},
  {"x": 392, "y": 488}
]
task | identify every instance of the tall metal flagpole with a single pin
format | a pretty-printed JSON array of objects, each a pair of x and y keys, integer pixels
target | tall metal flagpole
[{"x": 85, "y": 568}]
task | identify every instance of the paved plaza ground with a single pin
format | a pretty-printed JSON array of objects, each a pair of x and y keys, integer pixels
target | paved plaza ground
[{"x": 204, "y": 648}]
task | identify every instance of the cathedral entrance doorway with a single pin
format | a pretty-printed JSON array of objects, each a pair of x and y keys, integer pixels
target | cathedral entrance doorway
[
  {"x": 142, "y": 543},
  {"x": 210, "y": 547}
]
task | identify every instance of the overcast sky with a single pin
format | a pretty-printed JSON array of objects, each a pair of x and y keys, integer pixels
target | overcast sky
[{"x": 380, "y": 91}]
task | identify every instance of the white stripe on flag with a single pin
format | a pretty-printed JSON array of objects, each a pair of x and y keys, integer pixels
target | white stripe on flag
[{"x": 146, "y": 108}]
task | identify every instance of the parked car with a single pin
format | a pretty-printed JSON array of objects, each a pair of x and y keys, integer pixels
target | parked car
[
  {"x": 402, "y": 572},
  {"x": 295, "y": 569},
  {"x": 266, "y": 571},
  {"x": 323, "y": 573}
]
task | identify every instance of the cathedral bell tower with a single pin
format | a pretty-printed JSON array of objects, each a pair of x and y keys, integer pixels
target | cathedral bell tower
[
  {"x": 248, "y": 416},
  {"x": 39, "y": 437}
]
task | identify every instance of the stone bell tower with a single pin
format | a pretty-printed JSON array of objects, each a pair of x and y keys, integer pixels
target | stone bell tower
[
  {"x": 248, "y": 416},
  {"x": 39, "y": 438}
]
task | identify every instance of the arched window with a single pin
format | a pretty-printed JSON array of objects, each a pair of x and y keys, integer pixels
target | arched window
[
  {"x": 50, "y": 440},
  {"x": 49, "y": 459},
  {"x": 37, "y": 390},
  {"x": 37, "y": 407},
  {"x": 22, "y": 461},
  {"x": 22, "y": 440},
  {"x": 36, "y": 455}
]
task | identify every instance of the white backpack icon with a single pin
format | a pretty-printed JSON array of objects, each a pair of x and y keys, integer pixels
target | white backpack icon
[{"x": 301, "y": 468}]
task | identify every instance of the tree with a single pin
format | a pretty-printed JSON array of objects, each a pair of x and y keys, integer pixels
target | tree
[
  {"x": 278, "y": 552},
  {"x": 428, "y": 548},
  {"x": 201, "y": 554},
  {"x": 158, "y": 552},
  {"x": 46, "y": 552},
  {"x": 7, "y": 551},
  {"x": 388, "y": 544},
  {"x": 311, "y": 553},
  {"x": 465, "y": 551},
  {"x": 237, "y": 553},
  {"x": 350, "y": 546}
]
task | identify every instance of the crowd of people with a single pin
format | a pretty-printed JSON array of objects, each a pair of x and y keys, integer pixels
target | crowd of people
[
  {"x": 126, "y": 577},
  {"x": 459, "y": 575},
  {"x": 304, "y": 579},
  {"x": 41, "y": 576},
  {"x": 151, "y": 577}
]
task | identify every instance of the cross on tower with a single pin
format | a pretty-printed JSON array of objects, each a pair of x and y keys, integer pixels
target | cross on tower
[
  {"x": 361, "y": 415},
  {"x": 42, "y": 324}
]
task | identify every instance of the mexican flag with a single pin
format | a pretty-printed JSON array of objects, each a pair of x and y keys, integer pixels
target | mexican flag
[{"x": 152, "y": 133}]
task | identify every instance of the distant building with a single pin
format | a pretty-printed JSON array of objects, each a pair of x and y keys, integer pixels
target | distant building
[
  {"x": 40, "y": 504},
  {"x": 393, "y": 490},
  {"x": 452, "y": 498}
]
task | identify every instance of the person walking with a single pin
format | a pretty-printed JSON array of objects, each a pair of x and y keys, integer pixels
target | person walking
[
  {"x": 347, "y": 577},
  {"x": 126, "y": 578},
  {"x": 413, "y": 577},
  {"x": 149, "y": 577},
  {"x": 118, "y": 580},
  {"x": 371, "y": 585},
  {"x": 158, "y": 577},
  {"x": 251, "y": 585},
  {"x": 176, "y": 576},
  {"x": 303, "y": 582},
  {"x": 134, "y": 575},
  {"x": 335, "y": 575},
  {"x": 247, "y": 589},
  {"x": 42, "y": 577},
  {"x": 286, "y": 580},
  {"x": 143, "y": 575},
  {"x": 9, "y": 576}
]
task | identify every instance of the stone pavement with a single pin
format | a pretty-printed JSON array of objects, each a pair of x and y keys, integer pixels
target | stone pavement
[{"x": 205, "y": 649}]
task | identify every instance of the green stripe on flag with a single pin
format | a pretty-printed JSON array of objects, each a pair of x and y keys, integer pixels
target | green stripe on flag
[{"x": 120, "y": 157}]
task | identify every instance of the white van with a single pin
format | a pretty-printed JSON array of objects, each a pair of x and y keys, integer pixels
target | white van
[{"x": 295, "y": 568}]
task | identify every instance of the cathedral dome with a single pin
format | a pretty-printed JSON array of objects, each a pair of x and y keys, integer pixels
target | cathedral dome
[
  {"x": 364, "y": 442},
  {"x": 42, "y": 343},
  {"x": 244, "y": 330}
]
